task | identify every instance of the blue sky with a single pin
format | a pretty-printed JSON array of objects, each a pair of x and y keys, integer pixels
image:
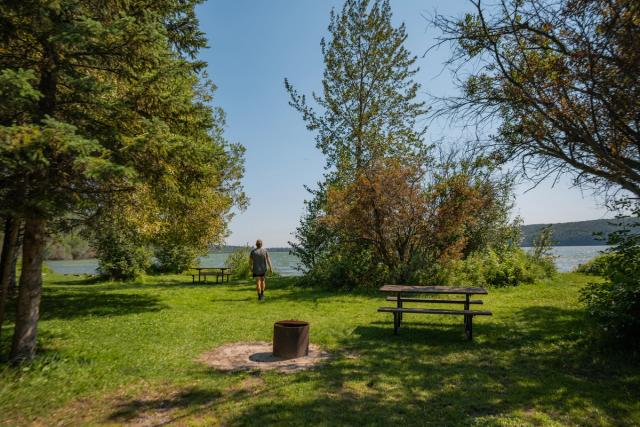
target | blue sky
[{"x": 255, "y": 44}]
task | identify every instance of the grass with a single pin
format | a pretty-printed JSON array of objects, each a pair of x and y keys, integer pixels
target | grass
[{"x": 114, "y": 353}]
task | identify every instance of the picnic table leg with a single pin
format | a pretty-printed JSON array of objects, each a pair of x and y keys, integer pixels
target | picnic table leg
[
  {"x": 399, "y": 305},
  {"x": 396, "y": 323},
  {"x": 466, "y": 317},
  {"x": 469, "y": 328}
]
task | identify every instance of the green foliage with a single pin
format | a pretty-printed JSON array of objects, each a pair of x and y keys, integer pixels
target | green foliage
[
  {"x": 347, "y": 267},
  {"x": 42, "y": 161},
  {"x": 542, "y": 244},
  {"x": 238, "y": 262},
  {"x": 174, "y": 259},
  {"x": 367, "y": 111},
  {"x": 108, "y": 113},
  {"x": 368, "y": 106},
  {"x": 121, "y": 249},
  {"x": 615, "y": 304},
  {"x": 597, "y": 266},
  {"x": 363, "y": 230},
  {"x": 491, "y": 268},
  {"x": 523, "y": 64},
  {"x": 120, "y": 256}
]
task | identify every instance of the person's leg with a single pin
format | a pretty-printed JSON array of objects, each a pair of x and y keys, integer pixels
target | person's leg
[
  {"x": 262, "y": 285},
  {"x": 258, "y": 290}
]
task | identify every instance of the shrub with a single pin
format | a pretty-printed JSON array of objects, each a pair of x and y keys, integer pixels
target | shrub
[
  {"x": 596, "y": 266},
  {"x": 120, "y": 258},
  {"x": 510, "y": 267},
  {"x": 174, "y": 258},
  {"x": 347, "y": 268},
  {"x": 238, "y": 262},
  {"x": 615, "y": 304}
]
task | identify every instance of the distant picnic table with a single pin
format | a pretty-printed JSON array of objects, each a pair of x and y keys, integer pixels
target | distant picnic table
[
  {"x": 406, "y": 294},
  {"x": 217, "y": 272}
]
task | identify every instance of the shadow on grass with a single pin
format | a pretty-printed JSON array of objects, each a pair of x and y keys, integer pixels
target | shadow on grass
[
  {"x": 533, "y": 368},
  {"x": 162, "y": 410},
  {"x": 530, "y": 367},
  {"x": 69, "y": 305}
]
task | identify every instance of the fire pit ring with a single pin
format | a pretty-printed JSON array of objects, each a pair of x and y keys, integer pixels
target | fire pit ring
[{"x": 290, "y": 339}]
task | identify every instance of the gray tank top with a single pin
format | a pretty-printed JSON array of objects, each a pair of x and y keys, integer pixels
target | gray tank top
[{"x": 259, "y": 259}]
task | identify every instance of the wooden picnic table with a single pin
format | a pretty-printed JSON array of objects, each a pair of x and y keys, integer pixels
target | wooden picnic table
[
  {"x": 218, "y": 272},
  {"x": 401, "y": 297}
]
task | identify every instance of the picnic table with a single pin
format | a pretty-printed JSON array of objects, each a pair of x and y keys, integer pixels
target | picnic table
[
  {"x": 217, "y": 272},
  {"x": 406, "y": 294}
]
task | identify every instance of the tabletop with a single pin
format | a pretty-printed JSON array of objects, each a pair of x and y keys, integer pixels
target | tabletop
[
  {"x": 434, "y": 289},
  {"x": 211, "y": 268}
]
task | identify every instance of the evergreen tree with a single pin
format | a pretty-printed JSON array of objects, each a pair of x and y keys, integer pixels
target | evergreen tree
[{"x": 106, "y": 104}]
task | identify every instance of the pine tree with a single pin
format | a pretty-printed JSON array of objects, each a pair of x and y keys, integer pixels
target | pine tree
[{"x": 105, "y": 99}]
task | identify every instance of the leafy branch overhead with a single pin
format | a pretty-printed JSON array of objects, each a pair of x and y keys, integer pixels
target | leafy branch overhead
[{"x": 562, "y": 79}]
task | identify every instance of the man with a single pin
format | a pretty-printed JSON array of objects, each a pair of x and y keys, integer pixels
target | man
[{"x": 258, "y": 262}]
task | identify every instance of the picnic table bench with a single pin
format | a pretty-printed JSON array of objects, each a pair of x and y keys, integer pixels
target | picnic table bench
[
  {"x": 400, "y": 298},
  {"x": 217, "y": 272}
]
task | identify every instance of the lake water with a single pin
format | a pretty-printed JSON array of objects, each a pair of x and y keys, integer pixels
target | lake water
[
  {"x": 283, "y": 264},
  {"x": 568, "y": 258}
]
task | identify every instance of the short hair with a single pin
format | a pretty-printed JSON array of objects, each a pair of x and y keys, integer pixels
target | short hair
[{"x": 259, "y": 243}]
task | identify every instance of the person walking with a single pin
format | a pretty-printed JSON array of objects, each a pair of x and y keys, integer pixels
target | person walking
[{"x": 259, "y": 260}]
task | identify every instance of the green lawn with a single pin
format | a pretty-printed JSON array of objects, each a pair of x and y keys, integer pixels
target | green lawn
[{"x": 126, "y": 353}]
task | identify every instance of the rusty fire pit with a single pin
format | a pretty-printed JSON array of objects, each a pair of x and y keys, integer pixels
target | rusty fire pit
[{"x": 290, "y": 339}]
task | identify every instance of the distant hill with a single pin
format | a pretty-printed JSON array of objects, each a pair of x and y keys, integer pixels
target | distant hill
[{"x": 579, "y": 233}]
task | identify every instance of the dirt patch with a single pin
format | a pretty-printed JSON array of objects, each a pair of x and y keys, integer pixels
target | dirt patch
[{"x": 258, "y": 355}]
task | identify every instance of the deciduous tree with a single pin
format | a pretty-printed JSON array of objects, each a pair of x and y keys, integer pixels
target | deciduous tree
[
  {"x": 368, "y": 108},
  {"x": 562, "y": 78}
]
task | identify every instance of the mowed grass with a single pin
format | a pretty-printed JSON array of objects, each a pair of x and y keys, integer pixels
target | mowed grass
[{"x": 126, "y": 353}]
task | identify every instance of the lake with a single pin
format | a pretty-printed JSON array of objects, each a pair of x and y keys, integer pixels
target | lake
[
  {"x": 283, "y": 264},
  {"x": 568, "y": 258}
]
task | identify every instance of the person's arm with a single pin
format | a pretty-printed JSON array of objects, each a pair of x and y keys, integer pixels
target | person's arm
[
  {"x": 250, "y": 262},
  {"x": 269, "y": 263}
]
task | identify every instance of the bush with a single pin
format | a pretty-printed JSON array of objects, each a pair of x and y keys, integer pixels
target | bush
[
  {"x": 616, "y": 309},
  {"x": 120, "y": 258},
  {"x": 510, "y": 267},
  {"x": 238, "y": 262},
  {"x": 174, "y": 258},
  {"x": 347, "y": 269},
  {"x": 615, "y": 304},
  {"x": 596, "y": 266}
]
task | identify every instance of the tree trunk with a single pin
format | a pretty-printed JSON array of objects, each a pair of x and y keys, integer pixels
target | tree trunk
[
  {"x": 13, "y": 282},
  {"x": 9, "y": 248},
  {"x": 28, "y": 307}
]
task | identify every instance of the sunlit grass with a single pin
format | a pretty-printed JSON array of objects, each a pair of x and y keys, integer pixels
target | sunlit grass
[{"x": 119, "y": 353}]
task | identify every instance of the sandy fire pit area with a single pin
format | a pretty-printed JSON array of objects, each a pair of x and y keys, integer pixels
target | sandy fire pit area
[{"x": 258, "y": 355}]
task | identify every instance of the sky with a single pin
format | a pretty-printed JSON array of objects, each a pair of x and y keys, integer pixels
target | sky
[{"x": 254, "y": 45}]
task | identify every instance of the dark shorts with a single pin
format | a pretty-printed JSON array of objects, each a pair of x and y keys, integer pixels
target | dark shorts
[{"x": 258, "y": 275}]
